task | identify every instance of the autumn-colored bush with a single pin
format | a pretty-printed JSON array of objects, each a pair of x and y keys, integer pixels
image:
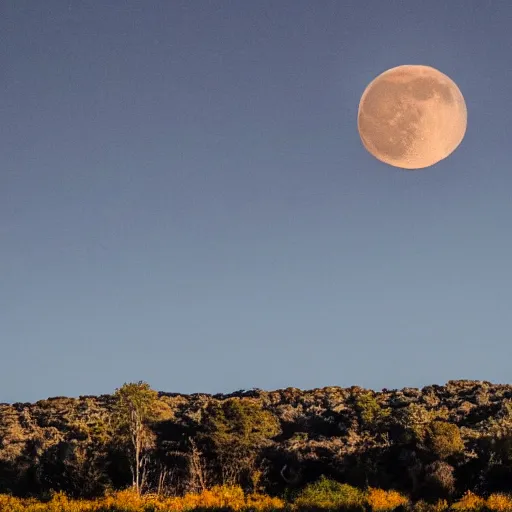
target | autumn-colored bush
[
  {"x": 440, "y": 506},
  {"x": 380, "y": 500},
  {"x": 499, "y": 503},
  {"x": 329, "y": 494},
  {"x": 324, "y": 494},
  {"x": 469, "y": 502},
  {"x": 217, "y": 498},
  {"x": 262, "y": 502}
]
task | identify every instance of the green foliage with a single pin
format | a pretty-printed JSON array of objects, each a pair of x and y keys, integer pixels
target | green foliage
[
  {"x": 238, "y": 429},
  {"x": 136, "y": 408},
  {"x": 300, "y": 436},
  {"x": 371, "y": 414},
  {"x": 444, "y": 439},
  {"x": 241, "y": 422},
  {"x": 329, "y": 494},
  {"x": 394, "y": 439},
  {"x": 135, "y": 401}
]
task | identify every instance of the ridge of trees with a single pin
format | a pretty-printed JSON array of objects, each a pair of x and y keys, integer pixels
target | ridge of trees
[{"x": 434, "y": 443}]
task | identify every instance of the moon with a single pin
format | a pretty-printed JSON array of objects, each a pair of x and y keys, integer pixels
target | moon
[{"x": 412, "y": 117}]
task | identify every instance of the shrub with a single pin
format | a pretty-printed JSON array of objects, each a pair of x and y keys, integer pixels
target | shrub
[
  {"x": 444, "y": 439},
  {"x": 329, "y": 494},
  {"x": 262, "y": 502},
  {"x": 380, "y": 500},
  {"x": 215, "y": 499},
  {"x": 468, "y": 502},
  {"x": 441, "y": 506},
  {"x": 440, "y": 476},
  {"x": 371, "y": 414},
  {"x": 499, "y": 503}
]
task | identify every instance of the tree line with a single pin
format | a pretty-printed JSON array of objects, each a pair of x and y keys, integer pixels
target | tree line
[{"x": 433, "y": 444}]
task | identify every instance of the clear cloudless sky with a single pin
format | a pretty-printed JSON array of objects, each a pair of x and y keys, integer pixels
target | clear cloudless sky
[{"x": 184, "y": 198}]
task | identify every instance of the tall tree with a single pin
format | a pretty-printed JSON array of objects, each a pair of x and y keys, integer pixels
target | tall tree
[{"x": 136, "y": 408}]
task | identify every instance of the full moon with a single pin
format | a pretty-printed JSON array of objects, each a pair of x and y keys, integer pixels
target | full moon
[{"x": 412, "y": 117}]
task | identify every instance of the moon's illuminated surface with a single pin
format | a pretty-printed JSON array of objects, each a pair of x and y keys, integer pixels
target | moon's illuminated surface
[{"x": 412, "y": 117}]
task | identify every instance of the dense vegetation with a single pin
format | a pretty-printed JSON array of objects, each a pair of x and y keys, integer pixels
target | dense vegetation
[
  {"x": 322, "y": 496},
  {"x": 393, "y": 447}
]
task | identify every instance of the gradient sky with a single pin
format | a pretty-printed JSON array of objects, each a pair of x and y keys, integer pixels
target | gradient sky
[{"x": 184, "y": 198}]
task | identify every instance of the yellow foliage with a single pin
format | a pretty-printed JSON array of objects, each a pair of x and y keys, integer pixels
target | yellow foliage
[
  {"x": 262, "y": 502},
  {"x": 499, "y": 503},
  {"x": 380, "y": 500},
  {"x": 218, "y": 496},
  {"x": 441, "y": 506},
  {"x": 469, "y": 501},
  {"x": 129, "y": 501}
]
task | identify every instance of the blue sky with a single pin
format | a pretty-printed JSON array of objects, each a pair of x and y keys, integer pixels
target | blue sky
[{"x": 184, "y": 198}]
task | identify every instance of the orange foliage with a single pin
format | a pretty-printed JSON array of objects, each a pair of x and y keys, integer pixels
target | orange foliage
[
  {"x": 129, "y": 501},
  {"x": 469, "y": 501},
  {"x": 235, "y": 499},
  {"x": 380, "y": 500},
  {"x": 499, "y": 503}
]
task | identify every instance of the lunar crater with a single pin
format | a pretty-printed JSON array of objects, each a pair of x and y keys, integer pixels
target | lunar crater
[{"x": 412, "y": 117}]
